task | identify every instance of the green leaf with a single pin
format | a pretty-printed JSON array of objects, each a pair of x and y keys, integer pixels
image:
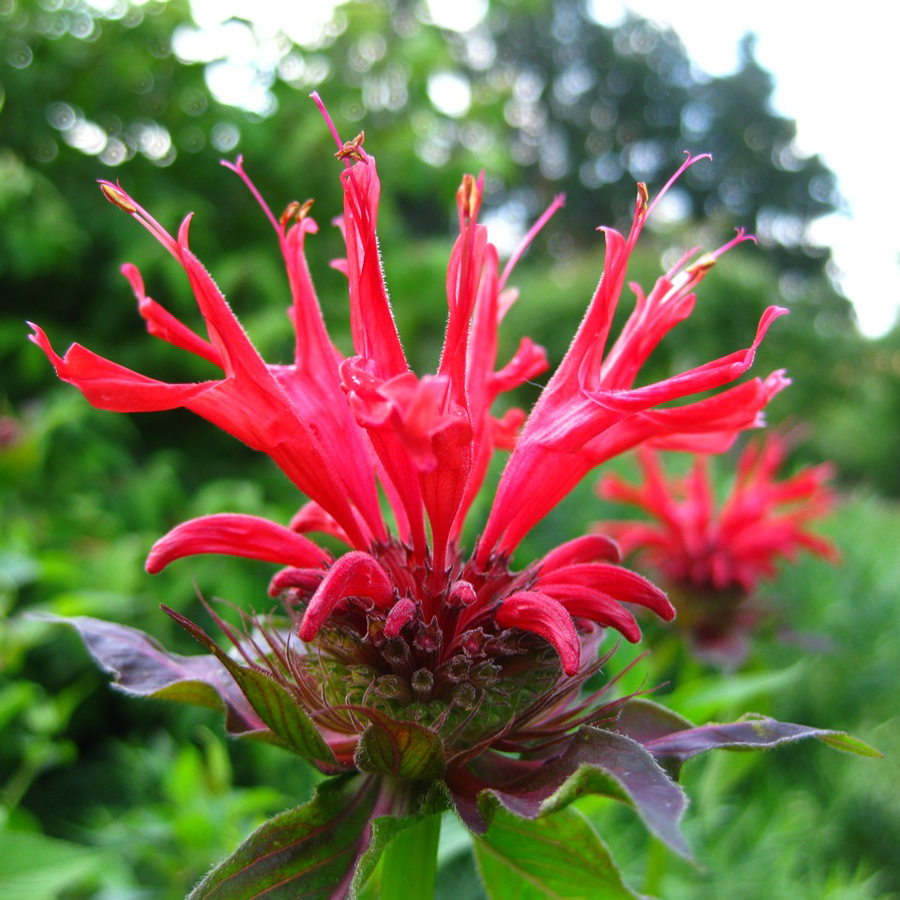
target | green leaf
[
  {"x": 404, "y": 750},
  {"x": 559, "y": 857},
  {"x": 271, "y": 701},
  {"x": 409, "y": 863},
  {"x": 840, "y": 740},
  {"x": 311, "y": 851},
  {"x": 34, "y": 867}
]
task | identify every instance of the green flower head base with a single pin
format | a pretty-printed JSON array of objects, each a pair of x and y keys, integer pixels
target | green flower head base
[{"x": 420, "y": 675}]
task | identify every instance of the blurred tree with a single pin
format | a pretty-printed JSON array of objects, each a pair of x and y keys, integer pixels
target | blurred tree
[
  {"x": 591, "y": 105},
  {"x": 90, "y": 94},
  {"x": 542, "y": 95}
]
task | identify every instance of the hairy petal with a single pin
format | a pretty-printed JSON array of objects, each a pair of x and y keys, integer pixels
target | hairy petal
[
  {"x": 374, "y": 332},
  {"x": 109, "y": 386},
  {"x": 620, "y": 583}
]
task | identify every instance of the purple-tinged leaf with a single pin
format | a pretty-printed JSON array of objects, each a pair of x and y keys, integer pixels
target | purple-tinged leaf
[
  {"x": 560, "y": 856},
  {"x": 275, "y": 705},
  {"x": 643, "y": 720},
  {"x": 749, "y": 733},
  {"x": 594, "y": 762},
  {"x": 311, "y": 852},
  {"x": 404, "y": 750},
  {"x": 141, "y": 667}
]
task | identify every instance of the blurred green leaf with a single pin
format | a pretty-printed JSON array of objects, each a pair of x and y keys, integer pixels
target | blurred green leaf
[
  {"x": 720, "y": 693},
  {"x": 34, "y": 867}
]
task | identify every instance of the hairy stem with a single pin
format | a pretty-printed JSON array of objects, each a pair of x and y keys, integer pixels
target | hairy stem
[{"x": 410, "y": 861}]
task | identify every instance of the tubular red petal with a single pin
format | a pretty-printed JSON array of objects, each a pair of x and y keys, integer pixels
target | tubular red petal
[
  {"x": 588, "y": 548},
  {"x": 622, "y": 584},
  {"x": 505, "y": 431},
  {"x": 542, "y": 615},
  {"x": 529, "y": 360},
  {"x": 588, "y": 412},
  {"x": 355, "y": 574},
  {"x": 235, "y": 535},
  {"x": 303, "y": 579},
  {"x": 162, "y": 324},
  {"x": 312, "y": 517},
  {"x": 110, "y": 386},
  {"x": 374, "y": 331},
  {"x": 731, "y": 547},
  {"x": 251, "y": 404}
]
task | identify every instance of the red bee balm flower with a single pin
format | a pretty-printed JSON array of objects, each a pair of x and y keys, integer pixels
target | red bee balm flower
[
  {"x": 712, "y": 559},
  {"x": 404, "y": 661}
]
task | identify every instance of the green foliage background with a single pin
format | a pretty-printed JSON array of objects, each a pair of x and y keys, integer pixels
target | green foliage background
[{"x": 107, "y": 799}]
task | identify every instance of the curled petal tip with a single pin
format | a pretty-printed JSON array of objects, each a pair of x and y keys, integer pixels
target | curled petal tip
[
  {"x": 234, "y": 534},
  {"x": 401, "y": 614},
  {"x": 355, "y": 574},
  {"x": 542, "y": 615}
]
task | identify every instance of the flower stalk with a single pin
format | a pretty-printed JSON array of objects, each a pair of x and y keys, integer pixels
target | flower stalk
[{"x": 409, "y": 862}]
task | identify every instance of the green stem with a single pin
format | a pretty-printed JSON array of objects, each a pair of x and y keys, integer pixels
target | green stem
[
  {"x": 409, "y": 865},
  {"x": 656, "y": 866}
]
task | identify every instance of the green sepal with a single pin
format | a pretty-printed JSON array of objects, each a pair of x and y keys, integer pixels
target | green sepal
[
  {"x": 272, "y": 702},
  {"x": 406, "y": 751}
]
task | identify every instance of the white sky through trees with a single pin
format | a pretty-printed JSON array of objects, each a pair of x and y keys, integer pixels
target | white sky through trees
[{"x": 837, "y": 72}]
